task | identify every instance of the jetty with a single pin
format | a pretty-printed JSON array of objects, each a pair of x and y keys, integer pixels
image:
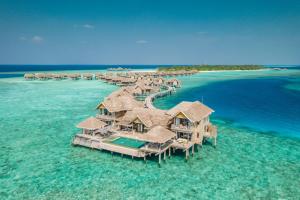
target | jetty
[
  {"x": 149, "y": 100},
  {"x": 127, "y": 123}
]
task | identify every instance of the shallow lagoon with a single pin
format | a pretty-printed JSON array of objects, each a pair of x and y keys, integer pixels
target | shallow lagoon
[{"x": 37, "y": 161}]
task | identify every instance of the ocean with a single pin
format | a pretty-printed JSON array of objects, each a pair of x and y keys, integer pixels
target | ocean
[{"x": 257, "y": 156}]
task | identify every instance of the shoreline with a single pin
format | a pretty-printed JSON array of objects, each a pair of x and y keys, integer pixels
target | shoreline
[
  {"x": 105, "y": 70},
  {"x": 267, "y": 69}
]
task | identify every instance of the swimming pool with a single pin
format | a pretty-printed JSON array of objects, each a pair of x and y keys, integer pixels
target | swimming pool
[{"x": 128, "y": 142}]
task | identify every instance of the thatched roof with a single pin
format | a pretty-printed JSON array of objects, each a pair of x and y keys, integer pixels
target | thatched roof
[
  {"x": 149, "y": 117},
  {"x": 74, "y": 75},
  {"x": 88, "y": 75},
  {"x": 29, "y": 75},
  {"x": 159, "y": 134},
  {"x": 173, "y": 80},
  {"x": 57, "y": 75},
  {"x": 122, "y": 91},
  {"x": 40, "y": 75},
  {"x": 142, "y": 85},
  {"x": 91, "y": 123},
  {"x": 120, "y": 102},
  {"x": 194, "y": 111}
]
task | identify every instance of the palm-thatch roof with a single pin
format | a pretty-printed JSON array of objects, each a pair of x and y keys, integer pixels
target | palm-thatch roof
[
  {"x": 120, "y": 102},
  {"x": 149, "y": 117},
  {"x": 194, "y": 111},
  {"x": 159, "y": 134}
]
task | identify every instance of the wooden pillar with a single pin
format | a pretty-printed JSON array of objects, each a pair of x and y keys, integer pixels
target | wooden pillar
[
  {"x": 170, "y": 152},
  {"x": 159, "y": 158},
  {"x": 164, "y": 155},
  {"x": 145, "y": 159},
  {"x": 187, "y": 154},
  {"x": 193, "y": 150},
  {"x": 215, "y": 141}
]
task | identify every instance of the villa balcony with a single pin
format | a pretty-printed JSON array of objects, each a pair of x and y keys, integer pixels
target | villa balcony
[
  {"x": 212, "y": 132},
  {"x": 181, "y": 128},
  {"x": 105, "y": 117}
]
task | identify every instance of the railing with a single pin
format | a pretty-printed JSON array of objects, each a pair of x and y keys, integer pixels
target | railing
[
  {"x": 181, "y": 128},
  {"x": 105, "y": 117}
]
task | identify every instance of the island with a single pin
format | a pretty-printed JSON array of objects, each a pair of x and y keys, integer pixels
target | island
[{"x": 209, "y": 67}]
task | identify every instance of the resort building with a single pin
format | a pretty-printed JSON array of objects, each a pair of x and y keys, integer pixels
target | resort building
[
  {"x": 173, "y": 83},
  {"x": 130, "y": 127},
  {"x": 190, "y": 121},
  {"x": 115, "y": 106},
  {"x": 87, "y": 76},
  {"x": 29, "y": 76}
]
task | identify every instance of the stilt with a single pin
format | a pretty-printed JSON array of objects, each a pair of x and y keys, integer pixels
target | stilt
[
  {"x": 112, "y": 154},
  {"x": 170, "y": 152},
  {"x": 186, "y": 154},
  {"x": 193, "y": 150},
  {"x": 159, "y": 158},
  {"x": 145, "y": 159},
  {"x": 121, "y": 155},
  {"x": 215, "y": 141},
  {"x": 164, "y": 155},
  {"x": 131, "y": 158}
]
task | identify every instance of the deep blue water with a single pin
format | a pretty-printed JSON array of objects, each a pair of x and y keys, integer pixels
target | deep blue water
[
  {"x": 11, "y": 75},
  {"x": 22, "y": 68},
  {"x": 262, "y": 103}
]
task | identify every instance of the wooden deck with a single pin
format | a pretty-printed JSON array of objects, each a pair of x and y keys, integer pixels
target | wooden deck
[{"x": 105, "y": 144}]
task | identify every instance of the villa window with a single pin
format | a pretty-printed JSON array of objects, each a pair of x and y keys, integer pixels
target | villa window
[
  {"x": 140, "y": 128},
  {"x": 177, "y": 121},
  {"x": 105, "y": 112},
  {"x": 102, "y": 111}
]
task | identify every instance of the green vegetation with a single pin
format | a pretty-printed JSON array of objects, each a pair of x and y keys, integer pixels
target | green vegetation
[{"x": 211, "y": 67}]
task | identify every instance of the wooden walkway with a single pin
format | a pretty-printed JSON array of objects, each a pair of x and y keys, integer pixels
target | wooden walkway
[{"x": 152, "y": 97}]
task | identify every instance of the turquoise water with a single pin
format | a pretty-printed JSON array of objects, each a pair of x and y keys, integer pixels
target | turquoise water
[
  {"x": 37, "y": 161},
  {"x": 128, "y": 142}
]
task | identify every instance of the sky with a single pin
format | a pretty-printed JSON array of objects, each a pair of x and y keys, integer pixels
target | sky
[{"x": 149, "y": 32}]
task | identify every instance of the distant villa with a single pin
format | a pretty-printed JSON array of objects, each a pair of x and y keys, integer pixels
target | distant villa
[
  {"x": 118, "y": 69},
  {"x": 135, "y": 128}
]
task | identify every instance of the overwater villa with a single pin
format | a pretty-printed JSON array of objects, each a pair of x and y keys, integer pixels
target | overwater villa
[
  {"x": 116, "y": 105},
  {"x": 58, "y": 76},
  {"x": 29, "y": 76},
  {"x": 87, "y": 76},
  {"x": 42, "y": 76},
  {"x": 129, "y": 127},
  {"x": 74, "y": 76},
  {"x": 174, "y": 83},
  {"x": 141, "y": 89}
]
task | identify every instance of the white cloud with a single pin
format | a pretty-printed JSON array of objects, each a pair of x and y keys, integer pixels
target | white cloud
[
  {"x": 141, "y": 42},
  {"x": 37, "y": 39},
  {"x": 88, "y": 26}
]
